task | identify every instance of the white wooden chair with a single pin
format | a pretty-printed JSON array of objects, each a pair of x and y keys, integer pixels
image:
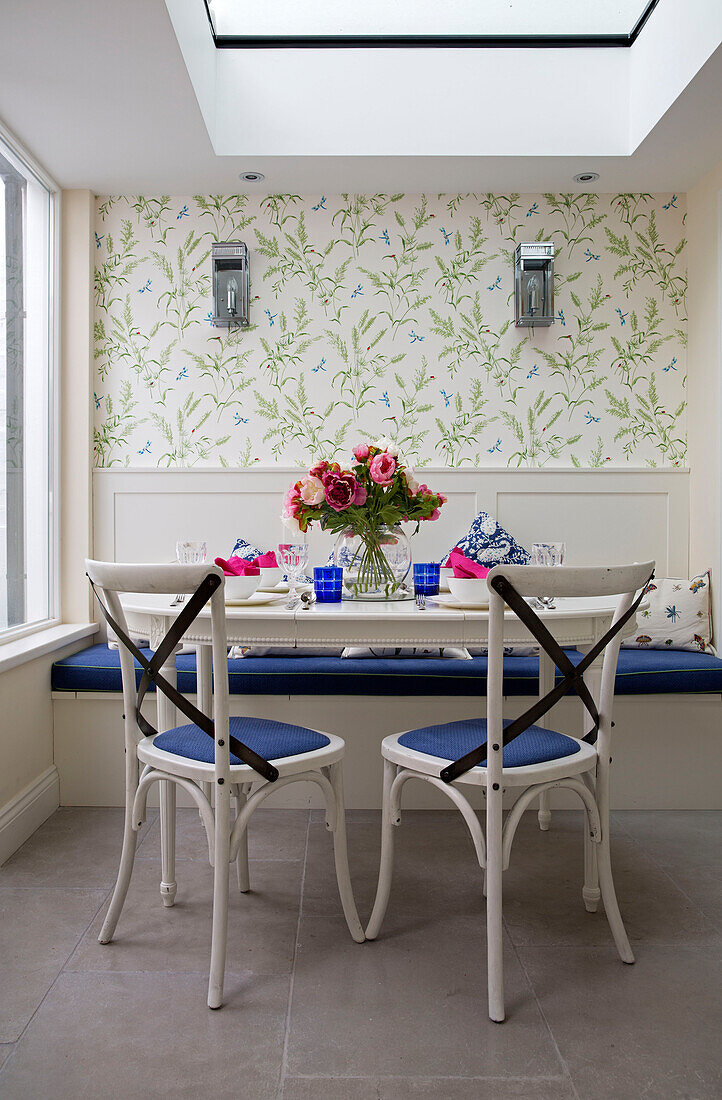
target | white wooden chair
[
  {"x": 226, "y": 756},
  {"x": 529, "y": 758}
]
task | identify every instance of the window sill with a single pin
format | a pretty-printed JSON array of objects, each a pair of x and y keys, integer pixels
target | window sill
[{"x": 20, "y": 650}]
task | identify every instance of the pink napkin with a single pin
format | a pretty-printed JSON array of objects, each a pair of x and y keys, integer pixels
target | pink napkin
[
  {"x": 465, "y": 567},
  {"x": 238, "y": 567},
  {"x": 266, "y": 561}
]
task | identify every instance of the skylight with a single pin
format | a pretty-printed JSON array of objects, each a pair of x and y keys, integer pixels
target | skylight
[{"x": 427, "y": 22}]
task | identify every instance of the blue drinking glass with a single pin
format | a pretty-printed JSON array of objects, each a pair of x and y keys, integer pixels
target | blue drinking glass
[
  {"x": 327, "y": 581},
  {"x": 426, "y": 578}
]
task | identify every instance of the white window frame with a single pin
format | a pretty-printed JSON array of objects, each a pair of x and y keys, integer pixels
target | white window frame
[{"x": 54, "y": 617}]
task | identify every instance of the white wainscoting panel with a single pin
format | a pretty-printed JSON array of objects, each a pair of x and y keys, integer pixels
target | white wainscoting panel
[{"x": 604, "y": 516}]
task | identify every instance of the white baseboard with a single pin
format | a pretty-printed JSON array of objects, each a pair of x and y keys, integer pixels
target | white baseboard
[{"x": 25, "y": 813}]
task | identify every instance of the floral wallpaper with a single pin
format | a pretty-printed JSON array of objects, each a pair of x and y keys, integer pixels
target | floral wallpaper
[{"x": 391, "y": 314}]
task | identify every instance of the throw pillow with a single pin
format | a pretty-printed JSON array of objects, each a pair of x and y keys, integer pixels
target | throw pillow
[
  {"x": 362, "y": 652},
  {"x": 488, "y": 543},
  {"x": 679, "y": 616}
]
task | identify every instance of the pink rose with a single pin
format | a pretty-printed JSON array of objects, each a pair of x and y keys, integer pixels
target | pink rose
[
  {"x": 360, "y": 494},
  {"x": 382, "y": 469},
  {"x": 340, "y": 490},
  {"x": 312, "y": 491},
  {"x": 361, "y": 451},
  {"x": 319, "y": 469},
  {"x": 435, "y": 514}
]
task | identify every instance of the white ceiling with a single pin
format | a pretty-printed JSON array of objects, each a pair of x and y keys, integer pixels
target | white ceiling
[{"x": 99, "y": 93}]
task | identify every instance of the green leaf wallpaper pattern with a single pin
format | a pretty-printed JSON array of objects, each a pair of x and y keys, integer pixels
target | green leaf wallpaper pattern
[{"x": 391, "y": 314}]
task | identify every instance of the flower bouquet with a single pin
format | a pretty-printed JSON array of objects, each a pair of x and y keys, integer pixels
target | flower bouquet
[{"x": 364, "y": 506}]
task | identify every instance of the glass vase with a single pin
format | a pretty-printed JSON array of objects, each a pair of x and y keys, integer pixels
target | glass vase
[{"x": 375, "y": 562}]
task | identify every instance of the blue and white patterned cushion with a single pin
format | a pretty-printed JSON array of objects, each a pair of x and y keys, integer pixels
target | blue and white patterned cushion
[
  {"x": 488, "y": 543},
  {"x": 245, "y": 550}
]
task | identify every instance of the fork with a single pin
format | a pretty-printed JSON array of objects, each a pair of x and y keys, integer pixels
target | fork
[
  {"x": 180, "y": 598},
  {"x": 421, "y": 601}
]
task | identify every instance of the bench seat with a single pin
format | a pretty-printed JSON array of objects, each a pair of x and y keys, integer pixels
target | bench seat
[{"x": 639, "y": 672}]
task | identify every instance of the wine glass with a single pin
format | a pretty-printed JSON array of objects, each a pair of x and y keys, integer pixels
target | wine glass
[
  {"x": 294, "y": 556},
  {"x": 189, "y": 552},
  {"x": 547, "y": 553}
]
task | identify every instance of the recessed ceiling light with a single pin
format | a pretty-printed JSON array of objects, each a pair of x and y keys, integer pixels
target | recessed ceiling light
[
  {"x": 586, "y": 177},
  {"x": 251, "y": 177}
]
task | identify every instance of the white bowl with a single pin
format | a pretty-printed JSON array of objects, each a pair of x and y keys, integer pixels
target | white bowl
[
  {"x": 240, "y": 588},
  {"x": 445, "y": 575},
  {"x": 271, "y": 577},
  {"x": 470, "y": 590}
]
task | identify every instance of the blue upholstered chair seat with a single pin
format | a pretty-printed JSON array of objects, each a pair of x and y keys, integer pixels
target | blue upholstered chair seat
[
  {"x": 271, "y": 740},
  {"x": 452, "y": 740}
]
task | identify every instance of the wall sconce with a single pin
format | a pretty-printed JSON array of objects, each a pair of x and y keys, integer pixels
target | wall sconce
[
  {"x": 534, "y": 284},
  {"x": 231, "y": 283}
]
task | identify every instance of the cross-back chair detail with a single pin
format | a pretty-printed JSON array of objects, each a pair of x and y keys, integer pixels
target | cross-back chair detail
[
  {"x": 552, "y": 759},
  {"x": 311, "y": 756}
]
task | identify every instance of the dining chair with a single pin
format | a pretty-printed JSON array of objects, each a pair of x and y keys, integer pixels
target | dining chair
[
  {"x": 248, "y": 758},
  {"x": 524, "y": 756}
]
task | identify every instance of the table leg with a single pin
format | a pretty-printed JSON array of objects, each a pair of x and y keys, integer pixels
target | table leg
[
  {"x": 204, "y": 691},
  {"x": 546, "y": 683},
  {"x": 591, "y": 893},
  {"x": 167, "y": 720}
]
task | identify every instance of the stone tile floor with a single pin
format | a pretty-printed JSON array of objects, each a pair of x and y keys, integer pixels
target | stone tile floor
[{"x": 310, "y": 1015}]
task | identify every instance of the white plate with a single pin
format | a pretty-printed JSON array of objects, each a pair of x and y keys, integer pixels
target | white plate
[
  {"x": 283, "y": 587},
  {"x": 457, "y": 605},
  {"x": 258, "y": 599}
]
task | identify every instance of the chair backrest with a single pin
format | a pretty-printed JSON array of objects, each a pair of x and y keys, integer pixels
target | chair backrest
[
  {"x": 205, "y": 584},
  {"x": 508, "y": 585}
]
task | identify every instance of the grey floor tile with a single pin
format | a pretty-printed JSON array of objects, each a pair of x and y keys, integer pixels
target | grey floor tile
[
  {"x": 692, "y": 837},
  {"x": 272, "y": 834},
  {"x": 261, "y": 924},
  {"x": 333, "y": 1088},
  {"x": 440, "y": 1088},
  {"x": 412, "y": 1002},
  {"x": 77, "y": 846},
  {"x": 434, "y": 860},
  {"x": 648, "y": 1030},
  {"x": 687, "y": 844},
  {"x": 479, "y": 1088},
  {"x": 543, "y": 892},
  {"x": 145, "y": 1035},
  {"x": 38, "y": 931}
]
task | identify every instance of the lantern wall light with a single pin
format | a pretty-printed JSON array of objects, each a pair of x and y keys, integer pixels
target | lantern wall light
[
  {"x": 231, "y": 283},
  {"x": 534, "y": 284}
]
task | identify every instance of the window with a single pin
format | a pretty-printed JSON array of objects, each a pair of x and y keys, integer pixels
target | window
[
  {"x": 421, "y": 22},
  {"x": 27, "y": 421}
]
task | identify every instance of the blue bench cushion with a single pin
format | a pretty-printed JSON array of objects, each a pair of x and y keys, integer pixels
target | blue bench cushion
[
  {"x": 452, "y": 740},
  {"x": 268, "y": 738},
  {"x": 639, "y": 672}
]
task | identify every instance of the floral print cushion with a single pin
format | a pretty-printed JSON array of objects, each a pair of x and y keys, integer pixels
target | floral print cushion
[
  {"x": 488, "y": 543},
  {"x": 245, "y": 550},
  {"x": 679, "y": 616}
]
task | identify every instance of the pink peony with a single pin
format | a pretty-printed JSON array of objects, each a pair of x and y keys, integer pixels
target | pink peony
[
  {"x": 382, "y": 469},
  {"x": 412, "y": 483},
  {"x": 340, "y": 490},
  {"x": 311, "y": 490},
  {"x": 361, "y": 451},
  {"x": 360, "y": 495}
]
